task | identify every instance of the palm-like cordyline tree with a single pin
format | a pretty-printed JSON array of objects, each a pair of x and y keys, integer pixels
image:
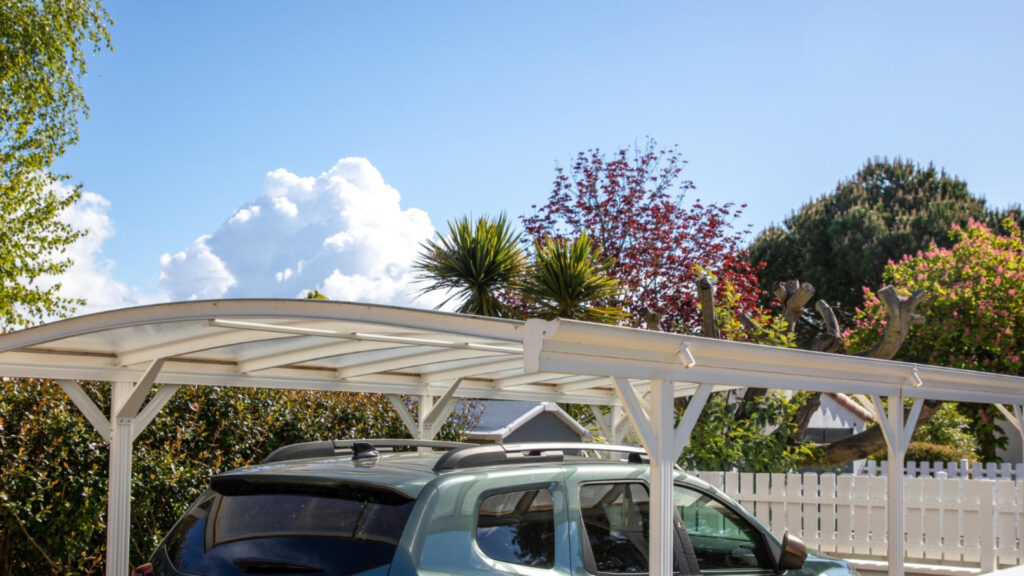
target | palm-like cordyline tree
[
  {"x": 476, "y": 263},
  {"x": 571, "y": 280}
]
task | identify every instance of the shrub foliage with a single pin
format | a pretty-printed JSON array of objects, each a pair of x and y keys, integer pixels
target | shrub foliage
[{"x": 54, "y": 476}]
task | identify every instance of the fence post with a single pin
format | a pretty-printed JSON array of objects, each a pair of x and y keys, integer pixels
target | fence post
[{"x": 987, "y": 513}]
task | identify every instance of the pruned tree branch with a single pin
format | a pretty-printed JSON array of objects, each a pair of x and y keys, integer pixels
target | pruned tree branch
[
  {"x": 706, "y": 294},
  {"x": 868, "y": 442},
  {"x": 753, "y": 330},
  {"x": 831, "y": 339},
  {"x": 901, "y": 318},
  {"x": 793, "y": 295}
]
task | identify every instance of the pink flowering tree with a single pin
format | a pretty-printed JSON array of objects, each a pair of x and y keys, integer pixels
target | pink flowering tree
[{"x": 975, "y": 311}]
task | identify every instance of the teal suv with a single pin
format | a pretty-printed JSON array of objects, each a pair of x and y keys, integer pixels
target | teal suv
[{"x": 419, "y": 508}]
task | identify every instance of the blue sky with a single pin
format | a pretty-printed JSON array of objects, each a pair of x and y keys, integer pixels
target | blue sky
[{"x": 467, "y": 107}]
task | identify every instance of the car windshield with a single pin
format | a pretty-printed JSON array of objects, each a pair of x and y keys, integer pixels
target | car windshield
[{"x": 291, "y": 530}]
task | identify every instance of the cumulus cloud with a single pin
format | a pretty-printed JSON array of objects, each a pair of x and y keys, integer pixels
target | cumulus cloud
[
  {"x": 91, "y": 276},
  {"x": 343, "y": 232}
]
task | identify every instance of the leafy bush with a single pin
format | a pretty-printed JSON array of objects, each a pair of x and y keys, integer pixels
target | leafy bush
[
  {"x": 755, "y": 436},
  {"x": 949, "y": 427},
  {"x": 54, "y": 465},
  {"x": 926, "y": 452}
]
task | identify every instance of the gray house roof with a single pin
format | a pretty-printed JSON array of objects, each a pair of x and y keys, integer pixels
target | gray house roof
[{"x": 501, "y": 418}]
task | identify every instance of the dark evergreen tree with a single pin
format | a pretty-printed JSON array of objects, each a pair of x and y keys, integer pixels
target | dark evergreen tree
[{"x": 842, "y": 241}]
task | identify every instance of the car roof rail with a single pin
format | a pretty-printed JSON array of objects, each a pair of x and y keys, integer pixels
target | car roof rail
[
  {"x": 357, "y": 448},
  {"x": 528, "y": 453}
]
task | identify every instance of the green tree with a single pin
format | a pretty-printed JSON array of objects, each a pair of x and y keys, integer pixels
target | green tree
[
  {"x": 975, "y": 311},
  {"x": 842, "y": 241},
  {"x": 41, "y": 64},
  {"x": 570, "y": 280},
  {"x": 476, "y": 263},
  {"x": 316, "y": 294}
]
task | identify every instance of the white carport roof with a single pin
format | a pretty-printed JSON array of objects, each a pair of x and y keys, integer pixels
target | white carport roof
[
  {"x": 307, "y": 344},
  {"x": 323, "y": 345}
]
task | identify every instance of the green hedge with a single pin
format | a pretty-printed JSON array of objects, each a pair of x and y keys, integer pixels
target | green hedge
[
  {"x": 927, "y": 452},
  {"x": 54, "y": 465}
]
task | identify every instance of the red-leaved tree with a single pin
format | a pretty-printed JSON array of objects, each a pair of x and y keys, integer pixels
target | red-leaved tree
[{"x": 634, "y": 206}]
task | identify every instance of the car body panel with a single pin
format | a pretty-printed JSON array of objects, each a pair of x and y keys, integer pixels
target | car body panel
[{"x": 439, "y": 537}]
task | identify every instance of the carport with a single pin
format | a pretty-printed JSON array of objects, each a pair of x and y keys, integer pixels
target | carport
[{"x": 441, "y": 357}]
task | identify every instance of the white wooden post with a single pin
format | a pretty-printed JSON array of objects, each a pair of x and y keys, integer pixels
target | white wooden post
[
  {"x": 423, "y": 422},
  {"x": 897, "y": 450},
  {"x": 663, "y": 443},
  {"x": 119, "y": 490},
  {"x": 897, "y": 438},
  {"x": 662, "y": 462}
]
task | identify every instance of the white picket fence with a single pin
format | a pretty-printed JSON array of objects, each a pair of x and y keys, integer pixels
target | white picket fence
[
  {"x": 962, "y": 469},
  {"x": 949, "y": 522}
]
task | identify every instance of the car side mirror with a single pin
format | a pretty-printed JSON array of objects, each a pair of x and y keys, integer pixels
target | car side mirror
[{"x": 793, "y": 553}]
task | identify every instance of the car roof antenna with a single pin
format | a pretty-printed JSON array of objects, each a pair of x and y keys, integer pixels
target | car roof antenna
[{"x": 362, "y": 450}]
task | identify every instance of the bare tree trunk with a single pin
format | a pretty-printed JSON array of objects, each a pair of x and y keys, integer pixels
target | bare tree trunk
[
  {"x": 900, "y": 319},
  {"x": 868, "y": 442},
  {"x": 794, "y": 295}
]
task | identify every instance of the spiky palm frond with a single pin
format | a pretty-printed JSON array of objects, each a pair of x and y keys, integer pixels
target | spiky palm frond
[
  {"x": 570, "y": 280},
  {"x": 476, "y": 262}
]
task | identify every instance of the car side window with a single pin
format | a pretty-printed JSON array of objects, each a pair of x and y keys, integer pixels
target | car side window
[
  {"x": 518, "y": 527},
  {"x": 721, "y": 538},
  {"x": 616, "y": 523}
]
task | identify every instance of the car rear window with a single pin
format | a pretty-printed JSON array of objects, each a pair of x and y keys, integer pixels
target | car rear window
[{"x": 276, "y": 529}]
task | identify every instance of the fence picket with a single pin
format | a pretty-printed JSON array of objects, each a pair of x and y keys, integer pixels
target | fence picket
[
  {"x": 844, "y": 514},
  {"x": 932, "y": 502},
  {"x": 862, "y": 515},
  {"x": 762, "y": 482},
  {"x": 970, "y": 528},
  {"x": 778, "y": 504},
  {"x": 952, "y": 548},
  {"x": 794, "y": 504},
  {"x": 827, "y": 508},
  {"x": 1007, "y": 520},
  {"x": 914, "y": 520}
]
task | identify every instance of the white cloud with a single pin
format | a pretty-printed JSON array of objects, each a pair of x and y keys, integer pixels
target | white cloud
[
  {"x": 343, "y": 231},
  {"x": 243, "y": 215},
  {"x": 285, "y": 206},
  {"x": 91, "y": 275},
  {"x": 195, "y": 273}
]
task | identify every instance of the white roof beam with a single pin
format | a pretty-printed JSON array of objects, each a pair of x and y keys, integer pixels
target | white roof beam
[
  {"x": 410, "y": 360},
  {"x": 519, "y": 380},
  {"x": 586, "y": 384},
  {"x": 192, "y": 345},
  {"x": 301, "y": 355},
  {"x": 471, "y": 368},
  {"x": 449, "y": 342}
]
